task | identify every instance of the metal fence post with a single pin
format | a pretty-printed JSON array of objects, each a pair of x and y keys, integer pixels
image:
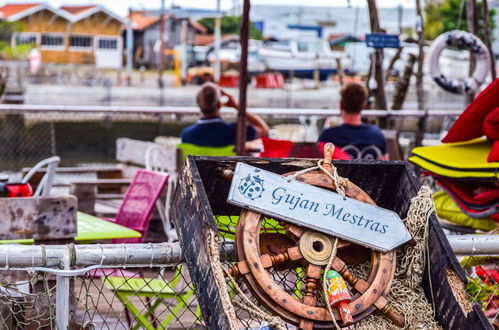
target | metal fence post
[{"x": 62, "y": 296}]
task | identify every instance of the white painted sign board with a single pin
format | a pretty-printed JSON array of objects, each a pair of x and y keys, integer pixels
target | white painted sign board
[{"x": 316, "y": 208}]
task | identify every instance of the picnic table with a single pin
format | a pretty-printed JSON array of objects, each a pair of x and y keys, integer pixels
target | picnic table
[{"x": 91, "y": 228}]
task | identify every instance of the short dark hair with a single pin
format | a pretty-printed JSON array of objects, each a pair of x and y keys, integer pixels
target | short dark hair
[
  {"x": 353, "y": 97},
  {"x": 208, "y": 98}
]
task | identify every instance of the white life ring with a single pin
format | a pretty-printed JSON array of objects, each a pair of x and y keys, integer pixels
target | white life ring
[{"x": 475, "y": 45}]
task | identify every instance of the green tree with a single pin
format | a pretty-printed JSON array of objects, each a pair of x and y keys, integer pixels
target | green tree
[
  {"x": 18, "y": 52},
  {"x": 446, "y": 15},
  {"x": 230, "y": 25}
]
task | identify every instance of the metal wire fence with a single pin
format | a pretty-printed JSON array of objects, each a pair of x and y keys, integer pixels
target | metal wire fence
[
  {"x": 145, "y": 286},
  {"x": 88, "y": 134},
  {"x": 482, "y": 269},
  {"x": 132, "y": 298}
]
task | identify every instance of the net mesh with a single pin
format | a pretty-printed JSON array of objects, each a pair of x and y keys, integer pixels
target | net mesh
[{"x": 102, "y": 299}]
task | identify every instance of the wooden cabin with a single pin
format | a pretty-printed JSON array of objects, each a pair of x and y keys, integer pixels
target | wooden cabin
[
  {"x": 146, "y": 34},
  {"x": 70, "y": 34}
]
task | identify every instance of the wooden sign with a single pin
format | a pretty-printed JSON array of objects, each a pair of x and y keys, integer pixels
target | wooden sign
[
  {"x": 382, "y": 40},
  {"x": 316, "y": 208},
  {"x": 40, "y": 218}
]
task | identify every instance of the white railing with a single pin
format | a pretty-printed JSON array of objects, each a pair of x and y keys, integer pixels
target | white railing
[{"x": 282, "y": 112}]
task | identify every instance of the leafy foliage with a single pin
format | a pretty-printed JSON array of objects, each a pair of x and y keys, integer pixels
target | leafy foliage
[
  {"x": 446, "y": 15},
  {"x": 7, "y": 29},
  {"x": 19, "y": 52},
  {"x": 230, "y": 25}
]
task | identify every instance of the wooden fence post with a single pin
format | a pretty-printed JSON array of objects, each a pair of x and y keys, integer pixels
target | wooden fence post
[
  {"x": 403, "y": 84},
  {"x": 380, "y": 96}
]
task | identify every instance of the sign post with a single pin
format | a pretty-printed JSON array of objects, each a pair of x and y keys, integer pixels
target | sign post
[{"x": 317, "y": 209}]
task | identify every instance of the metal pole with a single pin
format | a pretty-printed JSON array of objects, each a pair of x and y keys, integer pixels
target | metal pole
[
  {"x": 218, "y": 38},
  {"x": 472, "y": 28},
  {"x": 400, "y": 15},
  {"x": 162, "y": 44},
  {"x": 183, "y": 51},
  {"x": 243, "y": 80},
  {"x": 9, "y": 109},
  {"x": 164, "y": 254},
  {"x": 62, "y": 296},
  {"x": 106, "y": 255},
  {"x": 103, "y": 255},
  {"x": 419, "y": 74},
  {"x": 129, "y": 47},
  {"x": 486, "y": 31},
  {"x": 474, "y": 244}
]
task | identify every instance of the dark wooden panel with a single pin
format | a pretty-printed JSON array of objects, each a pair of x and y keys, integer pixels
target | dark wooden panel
[
  {"x": 192, "y": 217},
  {"x": 40, "y": 218}
]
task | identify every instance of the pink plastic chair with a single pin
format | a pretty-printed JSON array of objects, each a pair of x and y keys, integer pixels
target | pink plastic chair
[
  {"x": 139, "y": 202},
  {"x": 135, "y": 213}
]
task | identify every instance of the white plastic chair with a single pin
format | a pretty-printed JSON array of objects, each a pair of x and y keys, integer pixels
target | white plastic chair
[
  {"x": 164, "y": 159},
  {"x": 46, "y": 182}
]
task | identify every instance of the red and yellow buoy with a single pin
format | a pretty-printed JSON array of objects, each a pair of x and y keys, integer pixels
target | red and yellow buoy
[{"x": 338, "y": 295}]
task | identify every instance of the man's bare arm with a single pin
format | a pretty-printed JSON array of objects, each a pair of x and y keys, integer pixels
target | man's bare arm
[{"x": 262, "y": 129}]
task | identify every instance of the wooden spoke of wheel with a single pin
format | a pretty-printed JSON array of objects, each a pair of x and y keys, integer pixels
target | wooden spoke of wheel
[
  {"x": 305, "y": 313},
  {"x": 268, "y": 260}
]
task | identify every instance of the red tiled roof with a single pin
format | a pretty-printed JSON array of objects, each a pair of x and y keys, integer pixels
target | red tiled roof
[
  {"x": 204, "y": 39},
  {"x": 15, "y": 8},
  {"x": 75, "y": 10},
  {"x": 208, "y": 39},
  {"x": 141, "y": 21},
  {"x": 200, "y": 28}
]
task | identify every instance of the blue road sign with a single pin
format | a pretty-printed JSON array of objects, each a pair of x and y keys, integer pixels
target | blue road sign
[{"x": 382, "y": 40}]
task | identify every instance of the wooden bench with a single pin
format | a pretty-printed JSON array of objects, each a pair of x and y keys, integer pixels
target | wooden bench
[{"x": 94, "y": 196}]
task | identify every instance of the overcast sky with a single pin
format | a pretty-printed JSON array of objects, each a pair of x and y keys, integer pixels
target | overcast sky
[{"x": 121, "y": 6}]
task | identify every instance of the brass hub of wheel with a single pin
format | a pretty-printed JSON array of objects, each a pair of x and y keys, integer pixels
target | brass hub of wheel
[{"x": 315, "y": 247}]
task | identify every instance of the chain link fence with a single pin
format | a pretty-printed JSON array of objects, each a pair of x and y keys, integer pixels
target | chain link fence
[
  {"x": 78, "y": 138},
  {"x": 482, "y": 271},
  {"x": 151, "y": 297},
  {"x": 146, "y": 286},
  {"x": 79, "y": 135}
]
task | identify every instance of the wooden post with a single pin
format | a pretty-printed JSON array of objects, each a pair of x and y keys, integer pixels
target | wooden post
[
  {"x": 472, "y": 28},
  {"x": 419, "y": 74},
  {"x": 403, "y": 84},
  {"x": 380, "y": 96},
  {"x": 218, "y": 40},
  {"x": 243, "y": 80},
  {"x": 129, "y": 47},
  {"x": 394, "y": 59},
  {"x": 488, "y": 42},
  {"x": 162, "y": 45},
  {"x": 341, "y": 73}
]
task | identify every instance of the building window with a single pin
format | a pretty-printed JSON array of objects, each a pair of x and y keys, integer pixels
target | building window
[
  {"x": 52, "y": 41},
  {"x": 108, "y": 43},
  {"x": 80, "y": 42},
  {"x": 25, "y": 39}
]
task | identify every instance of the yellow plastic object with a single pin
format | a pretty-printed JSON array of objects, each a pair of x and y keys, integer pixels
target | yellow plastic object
[
  {"x": 448, "y": 210},
  {"x": 453, "y": 172},
  {"x": 193, "y": 149},
  {"x": 472, "y": 261},
  {"x": 93, "y": 228},
  {"x": 470, "y": 155}
]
